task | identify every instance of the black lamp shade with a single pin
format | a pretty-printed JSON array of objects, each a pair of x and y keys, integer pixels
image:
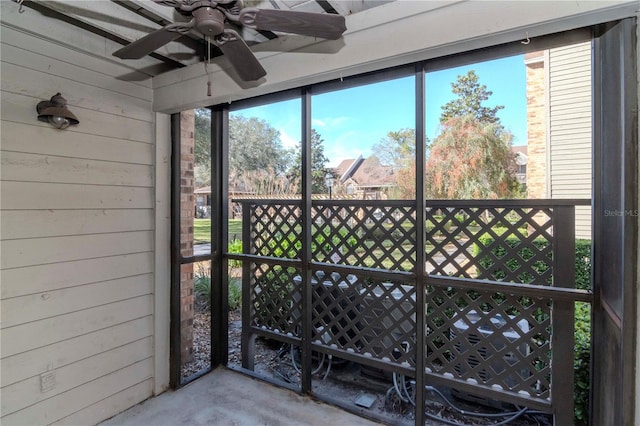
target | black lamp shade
[{"x": 55, "y": 112}]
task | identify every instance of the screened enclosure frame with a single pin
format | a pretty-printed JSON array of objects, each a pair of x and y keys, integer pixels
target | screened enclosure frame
[{"x": 306, "y": 263}]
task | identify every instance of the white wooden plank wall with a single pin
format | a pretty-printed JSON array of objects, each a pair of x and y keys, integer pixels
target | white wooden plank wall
[
  {"x": 570, "y": 128},
  {"x": 77, "y": 230}
]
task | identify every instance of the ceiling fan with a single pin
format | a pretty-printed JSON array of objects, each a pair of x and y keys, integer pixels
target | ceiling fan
[{"x": 215, "y": 19}]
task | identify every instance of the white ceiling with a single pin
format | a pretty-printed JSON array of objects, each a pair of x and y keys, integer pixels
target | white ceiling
[
  {"x": 128, "y": 20},
  {"x": 380, "y": 34}
]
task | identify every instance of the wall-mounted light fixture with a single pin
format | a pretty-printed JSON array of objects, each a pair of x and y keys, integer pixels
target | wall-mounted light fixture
[{"x": 55, "y": 112}]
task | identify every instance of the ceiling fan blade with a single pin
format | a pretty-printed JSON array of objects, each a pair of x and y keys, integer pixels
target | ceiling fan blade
[
  {"x": 322, "y": 25},
  {"x": 147, "y": 44},
  {"x": 170, "y": 3},
  {"x": 240, "y": 56}
]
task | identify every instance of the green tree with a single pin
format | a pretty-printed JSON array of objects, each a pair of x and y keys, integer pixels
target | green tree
[
  {"x": 202, "y": 148},
  {"x": 255, "y": 145},
  {"x": 471, "y": 159},
  {"x": 319, "y": 162},
  {"x": 397, "y": 149},
  {"x": 406, "y": 181},
  {"x": 266, "y": 182},
  {"x": 470, "y": 96}
]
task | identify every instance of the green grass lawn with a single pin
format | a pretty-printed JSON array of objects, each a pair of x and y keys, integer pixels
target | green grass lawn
[
  {"x": 235, "y": 229},
  {"x": 202, "y": 230}
]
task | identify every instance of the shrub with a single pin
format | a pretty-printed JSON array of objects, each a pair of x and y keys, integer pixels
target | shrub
[
  {"x": 581, "y": 361},
  {"x": 583, "y": 264},
  {"x": 429, "y": 227},
  {"x": 289, "y": 247},
  {"x": 284, "y": 247},
  {"x": 439, "y": 222},
  {"x": 512, "y": 264},
  {"x": 235, "y": 293},
  {"x": 379, "y": 234},
  {"x": 235, "y": 247},
  {"x": 582, "y": 349},
  {"x": 202, "y": 290},
  {"x": 374, "y": 233},
  {"x": 582, "y": 259}
]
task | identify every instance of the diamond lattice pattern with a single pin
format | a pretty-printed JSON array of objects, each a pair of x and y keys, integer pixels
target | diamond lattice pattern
[
  {"x": 275, "y": 230},
  {"x": 276, "y": 299},
  {"x": 499, "y": 244},
  {"x": 372, "y": 318},
  {"x": 490, "y": 339},
  {"x": 367, "y": 235}
]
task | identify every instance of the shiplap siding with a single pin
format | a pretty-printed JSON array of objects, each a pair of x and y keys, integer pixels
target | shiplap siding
[
  {"x": 570, "y": 123},
  {"x": 77, "y": 229}
]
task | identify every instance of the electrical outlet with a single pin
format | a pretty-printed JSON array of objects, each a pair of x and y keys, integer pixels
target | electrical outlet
[{"x": 47, "y": 381}]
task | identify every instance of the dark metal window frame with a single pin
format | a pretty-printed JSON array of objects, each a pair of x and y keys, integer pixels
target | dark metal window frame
[
  {"x": 615, "y": 260},
  {"x": 219, "y": 271}
]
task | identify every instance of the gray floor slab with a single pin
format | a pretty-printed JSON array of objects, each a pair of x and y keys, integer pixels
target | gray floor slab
[{"x": 224, "y": 397}]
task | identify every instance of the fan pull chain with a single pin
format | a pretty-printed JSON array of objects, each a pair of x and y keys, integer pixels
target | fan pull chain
[{"x": 206, "y": 68}]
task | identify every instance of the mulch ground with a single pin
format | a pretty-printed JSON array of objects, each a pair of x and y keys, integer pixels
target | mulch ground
[{"x": 345, "y": 380}]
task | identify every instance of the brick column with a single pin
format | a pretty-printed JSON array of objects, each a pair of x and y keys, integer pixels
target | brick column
[
  {"x": 536, "y": 126},
  {"x": 536, "y": 130},
  {"x": 187, "y": 210}
]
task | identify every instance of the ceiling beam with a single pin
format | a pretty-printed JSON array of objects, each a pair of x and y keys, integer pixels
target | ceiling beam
[
  {"x": 349, "y": 7},
  {"x": 154, "y": 11},
  {"x": 122, "y": 24},
  {"x": 341, "y": 6},
  {"x": 311, "y": 6},
  {"x": 73, "y": 34}
]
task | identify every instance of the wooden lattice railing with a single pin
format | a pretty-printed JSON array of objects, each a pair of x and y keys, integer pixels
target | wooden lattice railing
[{"x": 498, "y": 283}]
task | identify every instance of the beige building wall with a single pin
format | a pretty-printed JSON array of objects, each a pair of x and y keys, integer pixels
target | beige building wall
[
  {"x": 559, "y": 122},
  {"x": 77, "y": 229},
  {"x": 570, "y": 128}
]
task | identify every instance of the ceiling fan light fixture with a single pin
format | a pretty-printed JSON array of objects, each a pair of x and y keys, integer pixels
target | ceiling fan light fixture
[{"x": 55, "y": 112}]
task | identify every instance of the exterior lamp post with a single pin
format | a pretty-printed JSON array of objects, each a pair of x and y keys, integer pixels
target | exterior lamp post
[{"x": 328, "y": 180}]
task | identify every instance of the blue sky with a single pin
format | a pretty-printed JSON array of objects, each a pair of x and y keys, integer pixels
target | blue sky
[{"x": 352, "y": 121}]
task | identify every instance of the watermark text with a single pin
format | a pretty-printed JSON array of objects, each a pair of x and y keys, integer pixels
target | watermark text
[{"x": 621, "y": 213}]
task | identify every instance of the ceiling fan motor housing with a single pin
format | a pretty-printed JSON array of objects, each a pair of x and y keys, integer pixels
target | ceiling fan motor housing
[{"x": 209, "y": 21}]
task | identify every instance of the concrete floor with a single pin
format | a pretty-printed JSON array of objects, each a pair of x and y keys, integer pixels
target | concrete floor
[{"x": 224, "y": 397}]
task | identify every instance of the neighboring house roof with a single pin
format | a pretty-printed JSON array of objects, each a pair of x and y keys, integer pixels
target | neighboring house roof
[
  {"x": 234, "y": 190},
  {"x": 370, "y": 173},
  {"x": 363, "y": 172},
  {"x": 520, "y": 153},
  {"x": 519, "y": 149},
  {"x": 366, "y": 173},
  {"x": 347, "y": 168}
]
